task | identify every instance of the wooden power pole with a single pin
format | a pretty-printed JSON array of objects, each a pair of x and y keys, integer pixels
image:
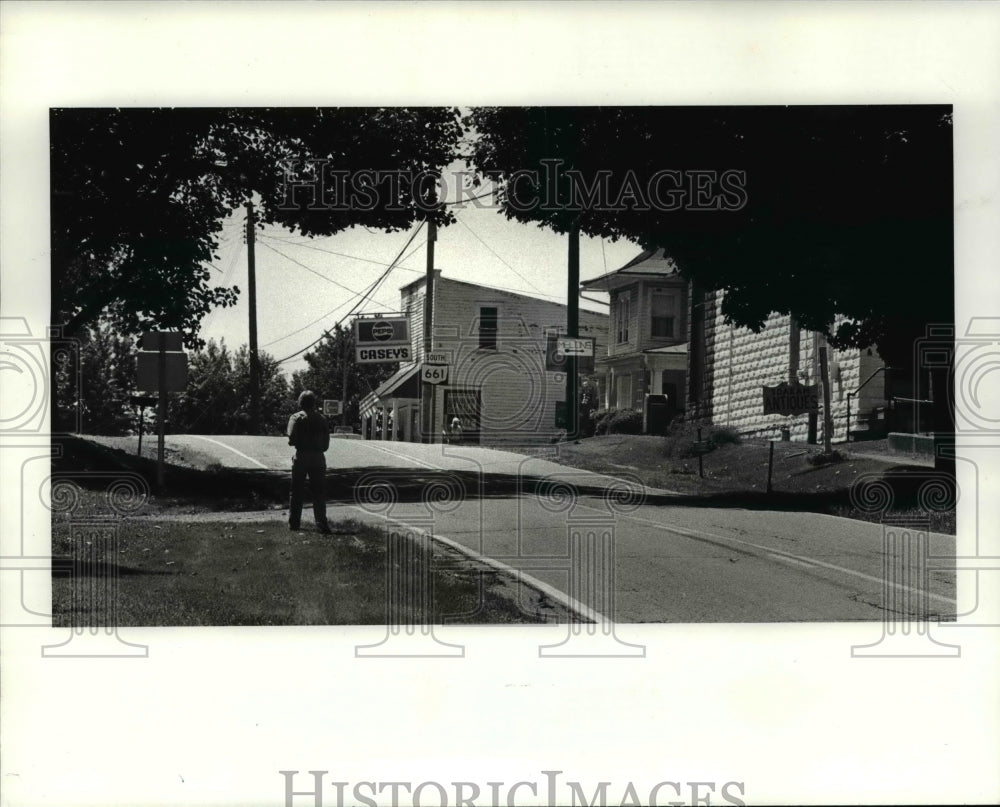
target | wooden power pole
[
  {"x": 824, "y": 372},
  {"x": 252, "y": 300},
  {"x": 427, "y": 397},
  {"x": 572, "y": 331}
]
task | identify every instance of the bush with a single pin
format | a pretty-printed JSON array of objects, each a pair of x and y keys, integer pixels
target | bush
[
  {"x": 600, "y": 419},
  {"x": 723, "y": 436},
  {"x": 682, "y": 439},
  {"x": 823, "y": 458},
  {"x": 625, "y": 421}
]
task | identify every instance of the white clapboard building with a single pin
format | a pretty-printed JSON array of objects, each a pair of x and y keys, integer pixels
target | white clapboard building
[{"x": 494, "y": 366}]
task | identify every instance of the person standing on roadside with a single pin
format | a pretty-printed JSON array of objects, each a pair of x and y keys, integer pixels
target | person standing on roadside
[
  {"x": 309, "y": 434},
  {"x": 455, "y": 432}
]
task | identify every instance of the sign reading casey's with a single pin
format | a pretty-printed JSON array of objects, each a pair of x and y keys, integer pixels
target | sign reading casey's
[{"x": 382, "y": 339}]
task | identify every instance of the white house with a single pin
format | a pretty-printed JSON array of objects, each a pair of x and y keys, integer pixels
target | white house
[{"x": 503, "y": 381}]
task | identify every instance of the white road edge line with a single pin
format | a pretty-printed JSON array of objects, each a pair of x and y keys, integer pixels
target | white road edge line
[
  {"x": 777, "y": 553},
  {"x": 234, "y": 450},
  {"x": 568, "y": 602}
]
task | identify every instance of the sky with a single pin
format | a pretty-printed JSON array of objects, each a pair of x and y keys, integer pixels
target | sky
[{"x": 303, "y": 287}]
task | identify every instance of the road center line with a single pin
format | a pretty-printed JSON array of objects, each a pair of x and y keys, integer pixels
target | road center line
[
  {"x": 777, "y": 553},
  {"x": 258, "y": 463},
  {"x": 399, "y": 456}
]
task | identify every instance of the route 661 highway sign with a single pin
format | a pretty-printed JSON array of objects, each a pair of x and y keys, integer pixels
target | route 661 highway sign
[{"x": 434, "y": 373}]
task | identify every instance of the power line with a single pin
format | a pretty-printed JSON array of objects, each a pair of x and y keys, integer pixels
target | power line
[
  {"x": 309, "y": 325},
  {"x": 361, "y": 302},
  {"x": 332, "y": 252},
  {"x": 467, "y": 227},
  {"x": 318, "y": 274},
  {"x": 470, "y": 199},
  {"x": 337, "y": 307}
]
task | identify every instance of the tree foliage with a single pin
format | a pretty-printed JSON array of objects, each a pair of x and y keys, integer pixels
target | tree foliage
[
  {"x": 105, "y": 361},
  {"x": 847, "y": 210},
  {"x": 327, "y": 364},
  {"x": 217, "y": 397},
  {"x": 139, "y": 195}
]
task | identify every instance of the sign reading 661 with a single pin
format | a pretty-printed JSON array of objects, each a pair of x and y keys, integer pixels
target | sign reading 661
[{"x": 434, "y": 373}]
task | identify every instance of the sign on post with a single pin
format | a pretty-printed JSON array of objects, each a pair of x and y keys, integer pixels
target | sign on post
[
  {"x": 434, "y": 373},
  {"x": 791, "y": 399},
  {"x": 161, "y": 366},
  {"x": 559, "y": 347},
  {"x": 331, "y": 408},
  {"x": 575, "y": 346},
  {"x": 147, "y": 372},
  {"x": 381, "y": 340},
  {"x": 172, "y": 341}
]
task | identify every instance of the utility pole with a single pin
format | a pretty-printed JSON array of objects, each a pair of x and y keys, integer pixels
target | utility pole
[
  {"x": 343, "y": 381},
  {"x": 572, "y": 331},
  {"x": 824, "y": 372},
  {"x": 427, "y": 398},
  {"x": 252, "y": 300},
  {"x": 161, "y": 408}
]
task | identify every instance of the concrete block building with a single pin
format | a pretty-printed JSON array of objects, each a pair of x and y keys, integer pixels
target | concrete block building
[{"x": 668, "y": 339}]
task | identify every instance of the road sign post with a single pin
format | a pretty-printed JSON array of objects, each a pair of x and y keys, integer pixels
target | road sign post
[
  {"x": 161, "y": 365},
  {"x": 141, "y": 402}
]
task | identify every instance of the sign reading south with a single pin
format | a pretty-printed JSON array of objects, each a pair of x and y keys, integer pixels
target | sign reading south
[{"x": 382, "y": 339}]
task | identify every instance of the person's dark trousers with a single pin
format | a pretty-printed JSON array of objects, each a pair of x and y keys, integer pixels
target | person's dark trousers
[{"x": 309, "y": 464}]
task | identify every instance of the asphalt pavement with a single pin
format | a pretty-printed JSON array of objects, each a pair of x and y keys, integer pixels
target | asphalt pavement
[{"x": 623, "y": 558}]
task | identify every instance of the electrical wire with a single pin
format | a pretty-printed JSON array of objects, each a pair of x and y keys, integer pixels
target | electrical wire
[
  {"x": 308, "y": 269},
  {"x": 362, "y": 301},
  {"x": 481, "y": 241},
  {"x": 470, "y": 199},
  {"x": 337, "y": 307},
  {"x": 332, "y": 252}
]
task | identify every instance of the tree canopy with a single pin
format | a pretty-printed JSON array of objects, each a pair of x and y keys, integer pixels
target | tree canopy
[
  {"x": 813, "y": 211},
  {"x": 139, "y": 195},
  {"x": 217, "y": 397},
  {"x": 326, "y": 368}
]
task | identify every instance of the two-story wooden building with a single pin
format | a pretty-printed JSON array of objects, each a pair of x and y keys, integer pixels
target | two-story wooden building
[
  {"x": 667, "y": 339},
  {"x": 499, "y": 383},
  {"x": 648, "y": 340}
]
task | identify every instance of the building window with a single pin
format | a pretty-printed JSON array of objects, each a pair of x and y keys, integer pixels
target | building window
[
  {"x": 663, "y": 315},
  {"x": 488, "y": 327},
  {"x": 621, "y": 318}
]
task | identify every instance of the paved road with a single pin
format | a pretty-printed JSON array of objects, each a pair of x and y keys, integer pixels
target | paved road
[{"x": 630, "y": 561}]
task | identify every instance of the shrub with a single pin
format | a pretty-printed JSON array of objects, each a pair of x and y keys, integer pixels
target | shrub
[
  {"x": 625, "y": 421},
  {"x": 824, "y": 458},
  {"x": 724, "y": 436},
  {"x": 601, "y": 418},
  {"x": 682, "y": 439}
]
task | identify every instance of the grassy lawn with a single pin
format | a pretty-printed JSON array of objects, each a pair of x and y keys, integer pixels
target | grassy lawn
[
  {"x": 259, "y": 573},
  {"x": 736, "y": 474}
]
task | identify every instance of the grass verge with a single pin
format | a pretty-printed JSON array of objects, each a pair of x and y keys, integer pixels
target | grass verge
[
  {"x": 188, "y": 572},
  {"x": 735, "y": 475}
]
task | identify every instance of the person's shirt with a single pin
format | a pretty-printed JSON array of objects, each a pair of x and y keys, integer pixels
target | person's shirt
[{"x": 307, "y": 431}]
